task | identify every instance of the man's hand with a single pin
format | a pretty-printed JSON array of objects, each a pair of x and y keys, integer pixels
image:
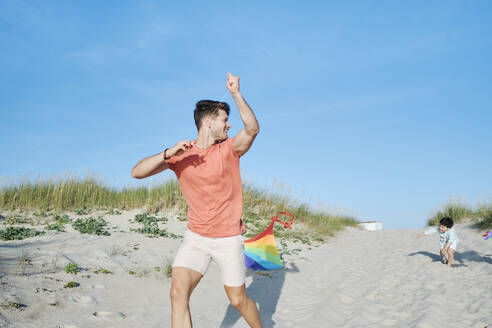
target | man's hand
[
  {"x": 233, "y": 84},
  {"x": 179, "y": 148},
  {"x": 420, "y": 235}
]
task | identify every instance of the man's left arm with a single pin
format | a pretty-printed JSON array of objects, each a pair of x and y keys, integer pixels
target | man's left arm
[{"x": 244, "y": 139}]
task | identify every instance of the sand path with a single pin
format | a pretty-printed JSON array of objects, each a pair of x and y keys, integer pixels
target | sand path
[{"x": 358, "y": 279}]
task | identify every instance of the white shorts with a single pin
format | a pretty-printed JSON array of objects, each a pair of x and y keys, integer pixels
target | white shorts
[
  {"x": 453, "y": 245},
  {"x": 197, "y": 251}
]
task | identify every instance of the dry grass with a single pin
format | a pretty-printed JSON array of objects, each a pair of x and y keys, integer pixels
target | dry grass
[
  {"x": 72, "y": 193},
  {"x": 458, "y": 211}
]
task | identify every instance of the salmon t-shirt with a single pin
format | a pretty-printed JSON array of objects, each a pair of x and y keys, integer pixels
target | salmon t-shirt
[{"x": 211, "y": 183}]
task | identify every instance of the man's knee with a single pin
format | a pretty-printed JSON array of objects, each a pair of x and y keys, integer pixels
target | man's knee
[
  {"x": 238, "y": 300},
  {"x": 179, "y": 294},
  {"x": 184, "y": 281}
]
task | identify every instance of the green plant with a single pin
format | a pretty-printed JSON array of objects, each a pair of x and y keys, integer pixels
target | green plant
[
  {"x": 17, "y": 219},
  {"x": 91, "y": 226},
  {"x": 72, "y": 268},
  {"x": 145, "y": 219},
  {"x": 18, "y": 233},
  {"x": 168, "y": 270},
  {"x": 101, "y": 270},
  {"x": 55, "y": 226},
  {"x": 63, "y": 219},
  {"x": 42, "y": 214},
  {"x": 151, "y": 227},
  {"x": 15, "y": 305},
  {"x": 71, "y": 284},
  {"x": 84, "y": 210}
]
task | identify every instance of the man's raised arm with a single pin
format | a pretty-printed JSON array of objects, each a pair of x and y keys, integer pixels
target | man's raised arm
[
  {"x": 157, "y": 163},
  {"x": 244, "y": 139}
]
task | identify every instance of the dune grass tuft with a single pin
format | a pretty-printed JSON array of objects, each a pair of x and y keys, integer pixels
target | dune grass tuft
[
  {"x": 455, "y": 210},
  {"x": 484, "y": 217},
  {"x": 458, "y": 211}
]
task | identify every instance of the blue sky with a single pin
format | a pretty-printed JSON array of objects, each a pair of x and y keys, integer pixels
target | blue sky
[{"x": 379, "y": 109}]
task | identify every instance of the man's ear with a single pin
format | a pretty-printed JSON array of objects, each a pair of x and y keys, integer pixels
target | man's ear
[{"x": 208, "y": 122}]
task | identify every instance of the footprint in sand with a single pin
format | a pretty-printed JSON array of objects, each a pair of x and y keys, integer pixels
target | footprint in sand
[
  {"x": 82, "y": 299},
  {"x": 373, "y": 318},
  {"x": 344, "y": 299},
  {"x": 98, "y": 286},
  {"x": 389, "y": 322},
  {"x": 109, "y": 315}
]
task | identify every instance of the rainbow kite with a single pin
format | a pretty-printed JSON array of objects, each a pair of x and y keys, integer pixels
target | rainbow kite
[
  {"x": 487, "y": 235},
  {"x": 260, "y": 252}
]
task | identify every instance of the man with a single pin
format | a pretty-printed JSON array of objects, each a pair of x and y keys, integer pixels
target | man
[{"x": 208, "y": 173}]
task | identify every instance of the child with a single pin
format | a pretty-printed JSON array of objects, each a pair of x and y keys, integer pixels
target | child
[{"x": 448, "y": 238}]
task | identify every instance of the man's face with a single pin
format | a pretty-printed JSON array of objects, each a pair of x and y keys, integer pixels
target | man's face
[
  {"x": 443, "y": 228},
  {"x": 220, "y": 125}
]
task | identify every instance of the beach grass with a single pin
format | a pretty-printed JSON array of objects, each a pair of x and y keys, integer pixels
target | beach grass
[
  {"x": 460, "y": 212},
  {"x": 82, "y": 195},
  {"x": 483, "y": 215}
]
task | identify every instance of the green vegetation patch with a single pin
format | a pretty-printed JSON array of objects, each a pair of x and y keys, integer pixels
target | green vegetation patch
[
  {"x": 91, "y": 226},
  {"x": 55, "y": 226},
  {"x": 84, "y": 210},
  {"x": 72, "y": 268},
  {"x": 150, "y": 226},
  {"x": 64, "y": 219},
  {"x": 17, "y": 219},
  {"x": 59, "y": 224},
  {"x": 146, "y": 219},
  {"x": 71, "y": 284},
  {"x": 101, "y": 270},
  {"x": 18, "y": 233}
]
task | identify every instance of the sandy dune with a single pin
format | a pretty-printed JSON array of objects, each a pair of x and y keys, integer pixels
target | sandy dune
[{"x": 358, "y": 279}]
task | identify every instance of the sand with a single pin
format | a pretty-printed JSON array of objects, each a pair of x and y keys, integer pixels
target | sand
[{"x": 384, "y": 278}]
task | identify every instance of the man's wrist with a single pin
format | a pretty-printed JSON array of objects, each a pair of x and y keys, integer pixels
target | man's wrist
[
  {"x": 237, "y": 95},
  {"x": 164, "y": 154}
]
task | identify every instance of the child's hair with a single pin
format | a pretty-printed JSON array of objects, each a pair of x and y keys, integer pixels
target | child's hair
[{"x": 447, "y": 221}]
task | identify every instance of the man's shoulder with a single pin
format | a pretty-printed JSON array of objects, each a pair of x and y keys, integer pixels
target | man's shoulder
[{"x": 190, "y": 156}]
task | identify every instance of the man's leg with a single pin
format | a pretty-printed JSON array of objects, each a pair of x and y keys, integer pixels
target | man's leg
[
  {"x": 245, "y": 305},
  {"x": 184, "y": 281}
]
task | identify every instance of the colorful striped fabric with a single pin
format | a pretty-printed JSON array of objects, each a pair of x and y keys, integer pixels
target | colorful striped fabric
[{"x": 260, "y": 252}]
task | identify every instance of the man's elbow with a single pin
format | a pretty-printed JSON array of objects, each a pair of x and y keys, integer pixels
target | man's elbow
[
  {"x": 253, "y": 131},
  {"x": 136, "y": 174}
]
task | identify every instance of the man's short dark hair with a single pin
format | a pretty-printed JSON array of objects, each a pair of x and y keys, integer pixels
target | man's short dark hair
[
  {"x": 205, "y": 108},
  {"x": 447, "y": 222}
]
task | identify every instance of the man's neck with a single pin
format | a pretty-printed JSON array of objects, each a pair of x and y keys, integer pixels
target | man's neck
[{"x": 204, "y": 140}]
